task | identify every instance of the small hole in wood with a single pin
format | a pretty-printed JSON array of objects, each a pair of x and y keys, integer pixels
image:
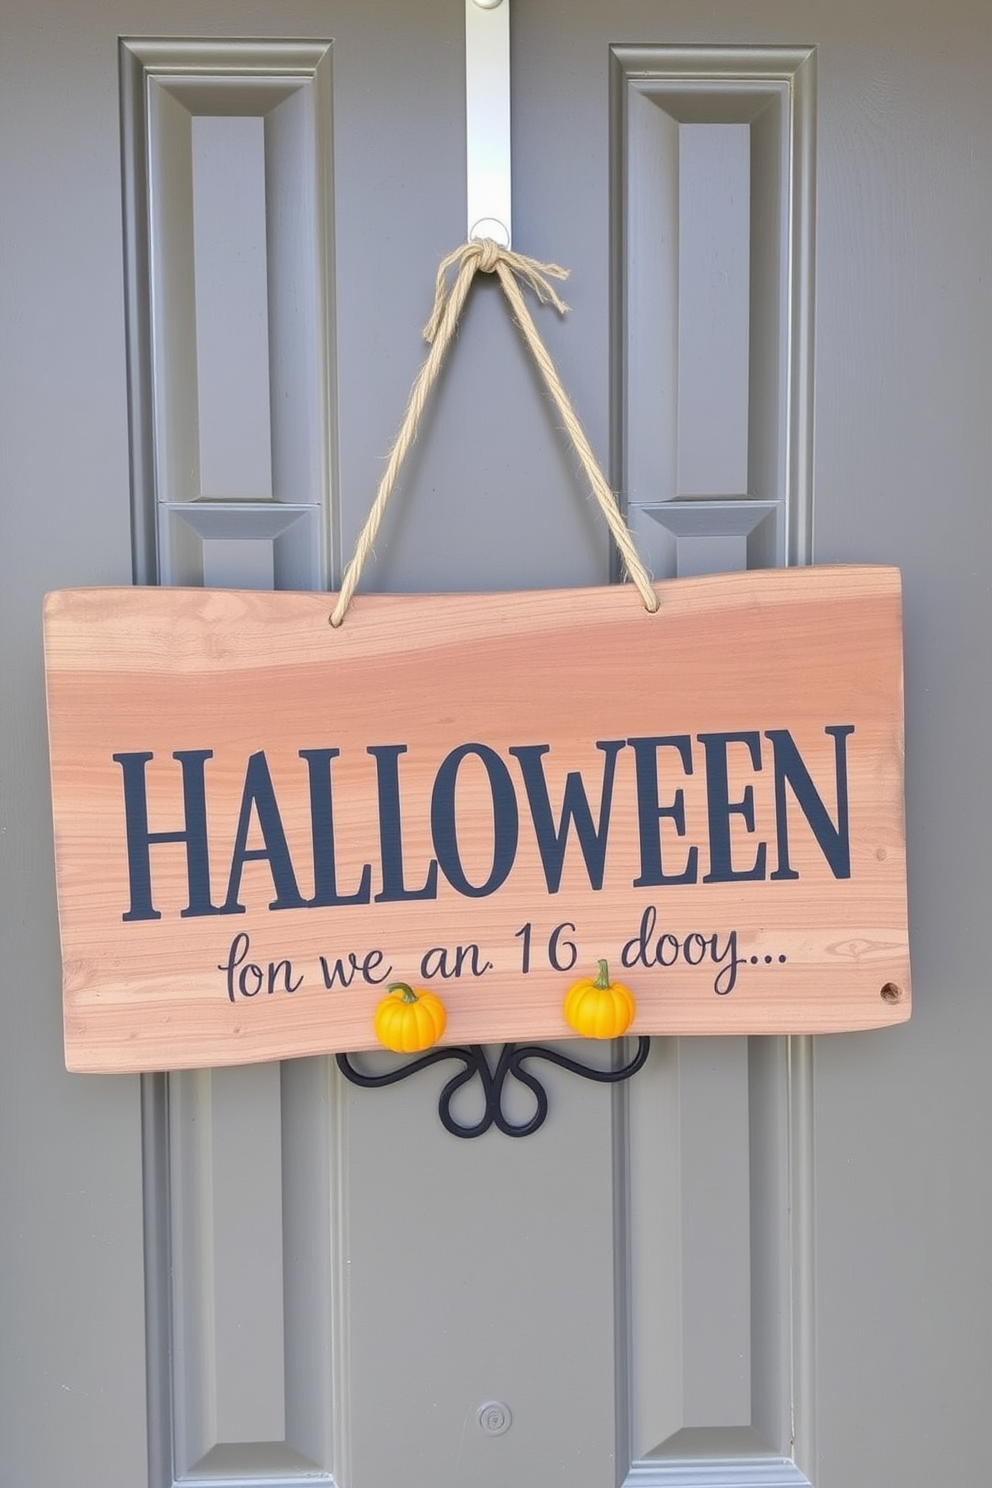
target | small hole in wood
[{"x": 891, "y": 992}]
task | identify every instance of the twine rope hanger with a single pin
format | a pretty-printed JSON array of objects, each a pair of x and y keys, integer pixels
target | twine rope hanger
[{"x": 512, "y": 270}]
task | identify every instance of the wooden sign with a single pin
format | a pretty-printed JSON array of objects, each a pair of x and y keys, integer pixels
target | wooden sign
[{"x": 261, "y": 821}]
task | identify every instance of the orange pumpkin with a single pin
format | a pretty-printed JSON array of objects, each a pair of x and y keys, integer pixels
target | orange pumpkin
[
  {"x": 599, "y": 1008},
  {"x": 407, "y": 1021}
]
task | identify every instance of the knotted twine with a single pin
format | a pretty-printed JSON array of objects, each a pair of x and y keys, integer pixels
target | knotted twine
[{"x": 512, "y": 270}]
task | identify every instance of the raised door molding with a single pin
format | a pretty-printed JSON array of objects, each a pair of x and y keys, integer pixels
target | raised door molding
[
  {"x": 227, "y": 179},
  {"x": 713, "y": 192}
]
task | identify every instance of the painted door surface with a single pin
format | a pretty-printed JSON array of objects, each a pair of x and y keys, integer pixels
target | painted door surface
[{"x": 763, "y": 1262}]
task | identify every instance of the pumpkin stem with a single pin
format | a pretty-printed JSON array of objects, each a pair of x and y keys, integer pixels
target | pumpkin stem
[
  {"x": 603, "y": 980},
  {"x": 406, "y": 992}
]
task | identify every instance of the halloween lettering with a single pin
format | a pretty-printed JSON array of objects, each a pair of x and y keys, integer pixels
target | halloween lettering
[{"x": 518, "y": 796}]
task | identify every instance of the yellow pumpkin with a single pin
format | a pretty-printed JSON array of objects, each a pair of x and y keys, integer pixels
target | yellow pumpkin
[
  {"x": 599, "y": 1008},
  {"x": 407, "y": 1021}
]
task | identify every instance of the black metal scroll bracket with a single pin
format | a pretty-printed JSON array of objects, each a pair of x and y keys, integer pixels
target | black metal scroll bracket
[{"x": 510, "y": 1062}]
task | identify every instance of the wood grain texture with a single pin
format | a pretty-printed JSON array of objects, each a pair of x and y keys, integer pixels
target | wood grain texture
[{"x": 811, "y": 656}]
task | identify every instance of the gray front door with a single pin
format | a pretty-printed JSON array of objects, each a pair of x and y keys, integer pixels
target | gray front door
[{"x": 764, "y": 1262}]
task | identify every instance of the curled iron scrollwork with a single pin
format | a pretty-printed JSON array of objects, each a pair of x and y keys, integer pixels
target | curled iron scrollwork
[{"x": 510, "y": 1063}]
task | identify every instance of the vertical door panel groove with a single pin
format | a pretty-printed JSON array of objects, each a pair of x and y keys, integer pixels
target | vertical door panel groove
[
  {"x": 226, "y": 160},
  {"x": 713, "y": 202}
]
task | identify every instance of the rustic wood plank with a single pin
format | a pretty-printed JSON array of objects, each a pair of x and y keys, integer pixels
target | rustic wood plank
[{"x": 444, "y": 728}]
